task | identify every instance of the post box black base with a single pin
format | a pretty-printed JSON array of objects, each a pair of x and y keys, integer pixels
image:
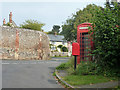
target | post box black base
[{"x": 75, "y": 61}]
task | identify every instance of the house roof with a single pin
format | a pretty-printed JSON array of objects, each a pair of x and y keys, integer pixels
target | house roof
[
  {"x": 14, "y": 24},
  {"x": 56, "y": 38}
]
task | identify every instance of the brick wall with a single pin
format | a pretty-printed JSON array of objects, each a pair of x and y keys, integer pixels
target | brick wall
[{"x": 23, "y": 44}]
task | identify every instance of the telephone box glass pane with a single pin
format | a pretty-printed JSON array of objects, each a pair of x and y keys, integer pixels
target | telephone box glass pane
[{"x": 84, "y": 46}]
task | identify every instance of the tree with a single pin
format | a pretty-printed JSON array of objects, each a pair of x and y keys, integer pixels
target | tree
[
  {"x": 110, "y": 4},
  {"x": 55, "y": 30},
  {"x": 69, "y": 29},
  {"x": 86, "y": 15},
  {"x": 32, "y": 24},
  {"x": 106, "y": 36}
]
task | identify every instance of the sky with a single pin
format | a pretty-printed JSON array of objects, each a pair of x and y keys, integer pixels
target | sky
[{"x": 49, "y": 12}]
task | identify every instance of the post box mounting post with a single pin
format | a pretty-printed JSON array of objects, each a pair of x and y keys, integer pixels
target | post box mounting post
[{"x": 75, "y": 62}]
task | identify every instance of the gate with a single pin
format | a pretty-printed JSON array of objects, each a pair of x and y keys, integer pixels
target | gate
[{"x": 83, "y": 38}]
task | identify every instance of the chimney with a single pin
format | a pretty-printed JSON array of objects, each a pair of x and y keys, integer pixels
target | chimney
[
  {"x": 55, "y": 33},
  {"x": 4, "y": 22},
  {"x": 10, "y": 17}
]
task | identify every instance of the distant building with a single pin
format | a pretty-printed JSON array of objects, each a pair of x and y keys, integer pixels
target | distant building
[
  {"x": 11, "y": 22},
  {"x": 56, "y": 40}
]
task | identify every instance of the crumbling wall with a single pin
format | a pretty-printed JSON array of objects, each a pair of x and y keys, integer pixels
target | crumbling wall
[{"x": 23, "y": 44}]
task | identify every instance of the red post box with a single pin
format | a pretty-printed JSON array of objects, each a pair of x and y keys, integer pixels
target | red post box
[
  {"x": 75, "y": 52},
  {"x": 75, "y": 49}
]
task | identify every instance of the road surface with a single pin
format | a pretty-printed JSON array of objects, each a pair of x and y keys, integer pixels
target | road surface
[{"x": 30, "y": 73}]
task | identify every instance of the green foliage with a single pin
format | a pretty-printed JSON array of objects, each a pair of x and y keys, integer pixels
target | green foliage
[
  {"x": 32, "y": 24},
  {"x": 64, "y": 49},
  {"x": 8, "y": 24},
  {"x": 50, "y": 32},
  {"x": 66, "y": 65},
  {"x": 55, "y": 30},
  {"x": 86, "y": 68},
  {"x": 106, "y": 36},
  {"x": 87, "y": 79},
  {"x": 50, "y": 45},
  {"x": 111, "y": 3},
  {"x": 117, "y": 87},
  {"x": 60, "y": 46},
  {"x": 86, "y": 15},
  {"x": 69, "y": 29},
  {"x": 54, "y": 74},
  {"x": 62, "y": 66}
]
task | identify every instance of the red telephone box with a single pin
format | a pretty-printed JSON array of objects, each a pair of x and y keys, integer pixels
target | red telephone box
[{"x": 83, "y": 38}]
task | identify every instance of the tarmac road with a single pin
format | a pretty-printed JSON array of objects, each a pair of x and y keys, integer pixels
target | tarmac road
[{"x": 29, "y": 73}]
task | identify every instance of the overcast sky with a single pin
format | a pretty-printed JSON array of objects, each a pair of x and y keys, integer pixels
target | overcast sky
[{"x": 50, "y": 12}]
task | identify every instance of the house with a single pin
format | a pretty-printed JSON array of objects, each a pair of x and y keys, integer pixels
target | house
[
  {"x": 56, "y": 40},
  {"x": 11, "y": 22}
]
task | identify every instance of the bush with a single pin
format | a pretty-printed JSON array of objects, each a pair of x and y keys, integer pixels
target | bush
[
  {"x": 86, "y": 68},
  {"x": 66, "y": 65},
  {"x": 8, "y": 24},
  {"x": 60, "y": 46},
  {"x": 55, "y": 55},
  {"x": 62, "y": 66},
  {"x": 50, "y": 45},
  {"x": 32, "y": 24},
  {"x": 106, "y": 36},
  {"x": 64, "y": 49}
]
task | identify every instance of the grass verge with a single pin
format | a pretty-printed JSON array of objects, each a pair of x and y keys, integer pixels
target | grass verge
[
  {"x": 87, "y": 79},
  {"x": 60, "y": 81},
  {"x": 84, "y": 74}
]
